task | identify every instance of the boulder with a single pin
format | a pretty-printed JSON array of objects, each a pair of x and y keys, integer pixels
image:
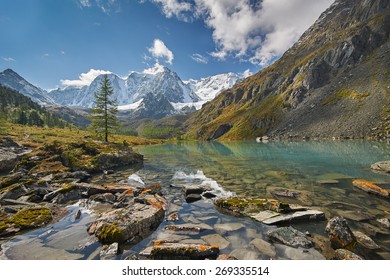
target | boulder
[
  {"x": 365, "y": 241},
  {"x": 130, "y": 224},
  {"x": 340, "y": 235},
  {"x": 371, "y": 188},
  {"x": 170, "y": 250},
  {"x": 343, "y": 254},
  {"x": 10, "y": 153},
  {"x": 289, "y": 236},
  {"x": 382, "y": 166}
]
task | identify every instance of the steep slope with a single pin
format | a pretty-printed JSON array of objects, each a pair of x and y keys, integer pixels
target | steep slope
[
  {"x": 12, "y": 80},
  {"x": 334, "y": 82}
]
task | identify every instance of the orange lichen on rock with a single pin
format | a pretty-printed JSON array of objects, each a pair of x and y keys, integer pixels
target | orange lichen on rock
[
  {"x": 146, "y": 191},
  {"x": 128, "y": 192},
  {"x": 370, "y": 188}
]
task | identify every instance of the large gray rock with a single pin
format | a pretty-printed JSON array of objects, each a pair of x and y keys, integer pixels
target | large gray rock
[
  {"x": 340, "y": 234},
  {"x": 289, "y": 236},
  {"x": 130, "y": 224},
  {"x": 382, "y": 166},
  {"x": 10, "y": 153}
]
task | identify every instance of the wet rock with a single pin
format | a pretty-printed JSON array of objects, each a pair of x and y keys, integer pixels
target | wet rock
[
  {"x": 224, "y": 257},
  {"x": 188, "y": 228},
  {"x": 343, "y": 254},
  {"x": 299, "y": 253},
  {"x": 193, "y": 197},
  {"x": 103, "y": 198},
  {"x": 245, "y": 254},
  {"x": 129, "y": 224},
  {"x": 340, "y": 234},
  {"x": 77, "y": 215},
  {"x": 264, "y": 247},
  {"x": 228, "y": 228},
  {"x": 358, "y": 216},
  {"x": 193, "y": 189},
  {"x": 365, "y": 241},
  {"x": 373, "y": 230},
  {"x": 371, "y": 188},
  {"x": 285, "y": 193},
  {"x": 109, "y": 252},
  {"x": 385, "y": 223},
  {"x": 382, "y": 166},
  {"x": 173, "y": 217},
  {"x": 209, "y": 195},
  {"x": 299, "y": 216},
  {"x": 264, "y": 215},
  {"x": 289, "y": 236},
  {"x": 169, "y": 251},
  {"x": 328, "y": 182},
  {"x": 216, "y": 240}
]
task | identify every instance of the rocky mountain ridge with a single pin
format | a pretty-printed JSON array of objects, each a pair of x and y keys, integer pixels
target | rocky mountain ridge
[{"x": 334, "y": 82}]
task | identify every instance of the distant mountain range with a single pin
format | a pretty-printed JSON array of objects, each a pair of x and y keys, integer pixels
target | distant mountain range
[
  {"x": 156, "y": 92},
  {"x": 333, "y": 83}
]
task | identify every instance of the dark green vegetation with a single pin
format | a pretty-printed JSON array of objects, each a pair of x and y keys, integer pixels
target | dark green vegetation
[
  {"x": 104, "y": 111},
  {"x": 19, "y": 109},
  {"x": 334, "y": 82}
]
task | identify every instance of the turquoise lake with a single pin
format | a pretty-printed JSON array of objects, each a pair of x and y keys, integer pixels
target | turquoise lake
[{"x": 322, "y": 172}]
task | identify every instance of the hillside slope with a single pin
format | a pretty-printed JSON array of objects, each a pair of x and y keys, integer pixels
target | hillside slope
[{"x": 334, "y": 82}]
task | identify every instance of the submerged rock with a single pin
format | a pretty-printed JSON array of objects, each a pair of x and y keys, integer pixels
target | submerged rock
[
  {"x": 228, "y": 228},
  {"x": 371, "y": 188},
  {"x": 385, "y": 222},
  {"x": 289, "y": 236},
  {"x": 170, "y": 250},
  {"x": 382, "y": 166},
  {"x": 365, "y": 241},
  {"x": 245, "y": 254},
  {"x": 343, "y": 254},
  {"x": 263, "y": 247},
  {"x": 216, "y": 240},
  {"x": 340, "y": 234}
]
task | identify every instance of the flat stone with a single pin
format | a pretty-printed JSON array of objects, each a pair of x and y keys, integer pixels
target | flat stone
[
  {"x": 245, "y": 254},
  {"x": 382, "y": 166},
  {"x": 328, "y": 182},
  {"x": 217, "y": 240},
  {"x": 371, "y": 188},
  {"x": 194, "y": 241},
  {"x": 357, "y": 216},
  {"x": 264, "y": 247},
  {"x": 228, "y": 228},
  {"x": 308, "y": 215},
  {"x": 289, "y": 236},
  {"x": 193, "y": 197},
  {"x": 170, "y": 251},
  {"x": 264, "y": 215},
  {"x": 343, "y": 254},
  {"x": 299, "y": 253},
  {"x": 365, "y": 241},
  {"x": 193, "y": 189},
  {"x": 188, "y": 228}
]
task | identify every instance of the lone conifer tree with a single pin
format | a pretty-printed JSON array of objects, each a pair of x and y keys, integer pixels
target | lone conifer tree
[{"x": 104, "y": 112}]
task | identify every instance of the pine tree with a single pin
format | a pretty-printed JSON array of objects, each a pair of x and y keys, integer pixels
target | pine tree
[{"x": 104, "y": 112}]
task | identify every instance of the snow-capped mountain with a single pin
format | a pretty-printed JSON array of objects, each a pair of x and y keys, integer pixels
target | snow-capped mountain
[
  {"x": 13, "y": 80},
  {"x": 158, "y": 80},
  {"x": 208, "y": 88}
]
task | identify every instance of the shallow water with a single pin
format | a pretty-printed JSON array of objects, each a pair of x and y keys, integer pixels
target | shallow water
[{"x": 322, "y": 171}]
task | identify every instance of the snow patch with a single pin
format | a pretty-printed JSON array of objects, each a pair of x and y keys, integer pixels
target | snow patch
[{"x": 131, "y": 106}]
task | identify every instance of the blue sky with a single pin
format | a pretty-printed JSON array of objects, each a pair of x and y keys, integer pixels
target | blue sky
[{"x": 53, "y": 43}]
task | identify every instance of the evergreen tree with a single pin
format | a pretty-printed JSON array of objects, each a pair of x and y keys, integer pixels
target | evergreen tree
[{"x": 104, "y": 112}]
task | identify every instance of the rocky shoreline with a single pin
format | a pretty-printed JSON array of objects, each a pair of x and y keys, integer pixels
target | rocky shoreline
[{"x": 47, "y": 180}]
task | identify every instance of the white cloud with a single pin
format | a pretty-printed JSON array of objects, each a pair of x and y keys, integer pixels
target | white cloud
[
  {"x": 107, "y": 6},
  {"x": 247, "y": 73},
  {"x": 255, "y": 31},
  {"x": 85, "y": 79},
  {"x": 199, "y": 58},
  {"x": 8, "y": 59},
  {"x": 175, "y": 8},
  {"x": 160, "y": 50}
]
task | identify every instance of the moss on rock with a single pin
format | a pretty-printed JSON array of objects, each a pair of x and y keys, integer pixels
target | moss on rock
[
  {"x": 31, "y": 218},
  {"x": 110, "y": 233}
]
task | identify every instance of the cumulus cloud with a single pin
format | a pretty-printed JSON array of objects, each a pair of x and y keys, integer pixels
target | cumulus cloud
[
  {"x": 199, "y": 58},
  {"x": 255, "y": 31},
  {"x": 85, "y": 79},
  {"x": 175, "y": 8},
  {"x": 247, "y": 73},
  {"x": 160, "y": 50}
]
